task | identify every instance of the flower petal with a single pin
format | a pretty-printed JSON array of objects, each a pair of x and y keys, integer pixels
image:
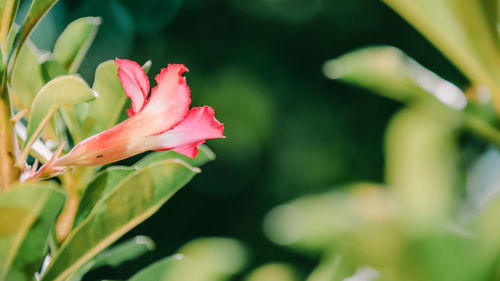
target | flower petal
[
  {"x": 190, "y": 150},
  {"x": 121, "y": 141},
  {"x": 170, "y": 99},
  {"x": 200, "y": 124},
  {"x": 134, "y": 82}
]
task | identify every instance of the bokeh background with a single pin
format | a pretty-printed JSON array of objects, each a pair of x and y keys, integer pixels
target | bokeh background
[{"x": 290, "y": 130}]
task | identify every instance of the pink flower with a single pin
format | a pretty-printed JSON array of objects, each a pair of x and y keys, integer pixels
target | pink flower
[{"x": 161, "y": 120}]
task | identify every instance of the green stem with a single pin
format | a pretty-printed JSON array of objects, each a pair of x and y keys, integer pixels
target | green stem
[{"x": 482, "y": 129}]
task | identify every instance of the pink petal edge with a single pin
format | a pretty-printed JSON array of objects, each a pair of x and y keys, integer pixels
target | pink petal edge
[
  {"x": 135, "y": 83},
  {"x": 200, "y": 124},
  {"x": 170, "y": 98}
]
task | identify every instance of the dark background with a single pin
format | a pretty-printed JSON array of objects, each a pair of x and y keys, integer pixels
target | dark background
[{"x": 290, "y": 130}]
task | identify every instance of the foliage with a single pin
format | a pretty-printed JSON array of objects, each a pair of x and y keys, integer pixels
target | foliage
[
  {"x": 61, "y": 228},
  {"x": 425, "y": 222}
]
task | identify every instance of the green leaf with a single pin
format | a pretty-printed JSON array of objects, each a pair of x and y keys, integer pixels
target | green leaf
[
  {"x": 27, "y": 77},
  {"x": 422, "y": 167},
  {"x": 332, "y": 267},
  {"x": 125, "y": 251},
  {"x": 51, "y": 68},
  {"x": 313, "y": 223},
  {"x": 104, "y": 112},
  {"x": 27, "y": 215},
  {"x": 64, "y": 90},
  {"x": 459, "y": 29},
  {"x": 117, "y": 255},
  {"x": 99, "y": 186},
  {"x": 213, "y": 258},
  {"x": 37, "y": 11},
  {"x": 8, "y": 10},
  {"x": 74, "y": 42},
  {"x": 205, "y": 259},
  {"x": 391, "y": 73},
  {"x": 132, "y": 201},
  {"x": 160, "y": 270},
  {"x": 106, "y": 180},
  {"x": 204, "y": 156},
  {"x": 274, "y": 272}
]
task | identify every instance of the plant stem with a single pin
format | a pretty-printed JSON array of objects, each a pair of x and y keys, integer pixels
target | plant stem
[
  {"x": 67, "y": 217},
  {"x": 8, "y": 172},
  {"x": 482, "y": 129}
]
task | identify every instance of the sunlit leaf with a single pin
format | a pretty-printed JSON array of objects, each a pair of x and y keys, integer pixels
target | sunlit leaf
[
  {"x": 312, "y": 223},
  {"x": 104, "y": 112},
  {"x": 98, "y": 187},
  {"x": 460, "y": 29},
  {"x": 27, "y": 77},
  {"x": 125, "y": 251},
  {"x": 37, "y": 11},
  {"x": 204, "y": 259},
  {"x": 74, "y": 42},
  {"x": 214, "y": 258},
  {"x": 389, "y": 72},
  {"x": 422, "y": 167},
  {"x": 115, "y": 256},
  {"x": 27, "y": 215},
  {"x": 132, "y": 201},
  {"x": 274, "y": 272},
  {"x": 332, "y": 267},
  {"x": 160, "y": 270},
  {"x": 8, "y": 9},
  {"x": 50, "y": 68},
  {"x": 65, "y": 90}
]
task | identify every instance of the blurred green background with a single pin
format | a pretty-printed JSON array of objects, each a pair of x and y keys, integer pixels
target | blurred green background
[{"x": 290, "y": 130}]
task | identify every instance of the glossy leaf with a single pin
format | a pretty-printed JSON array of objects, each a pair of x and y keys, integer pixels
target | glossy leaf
[
  {"x": 313, "y": 223},
  {"x": 204, "y": 156},
  {"x": 460, "y": 30},
  {"x": 106, "y": 180},
  {"x": 104, "y": 112},
  {"x": 204, "y": 259},
  {"x": 421, "y": 167},
  {"x": 132, "y": 201},
  {"x": 332, "y": 267},
  {"x": 27, "y": 77},
  {"x": 274, "y": 272},
  {"x": 115, "y": 256},
  {"x": 389, "y": 72},
  {"x": 74, "y": 42},
  {"x": 213, "y": 258},
  {"x": 8, "y": 9},
  {"x": 125, "y": 251},
  {"x": 51, "y": 68},
  {"x": 27, "y": 215},
  {"x": 160, "y": 270},
  {"x": 70, "y": 89},
  {"x": 98, "y": 187},
  {"x": 37, "y": 11}
]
